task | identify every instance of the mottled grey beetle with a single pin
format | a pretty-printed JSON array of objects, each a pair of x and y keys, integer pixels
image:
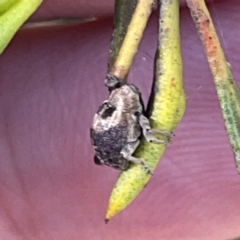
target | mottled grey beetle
[{"x": 118, "y": 124}]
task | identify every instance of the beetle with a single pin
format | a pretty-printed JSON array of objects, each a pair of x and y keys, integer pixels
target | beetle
[{"x": 118, "y": 125}]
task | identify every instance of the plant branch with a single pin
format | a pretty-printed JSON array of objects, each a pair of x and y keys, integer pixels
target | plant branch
[
  {"x": 166, "y": 110},
  {"x": 129, "y": 46},
  {"x": 227, "y": 89},
  {"x": 12, "y": 15},
  {"x": 124, "y": 10}
]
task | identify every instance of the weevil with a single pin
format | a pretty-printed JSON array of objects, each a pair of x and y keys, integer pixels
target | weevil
[{"x": 118, "y": 125}]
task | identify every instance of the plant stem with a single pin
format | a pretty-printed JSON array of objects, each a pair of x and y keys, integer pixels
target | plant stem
[
  {"x": 124, "y": 10},
  {"x": 129, "y": 46},
  {"x": 13, "y": 15},
  {"x": 227, "y": 90},
  {"x": 166, "y": 110}
]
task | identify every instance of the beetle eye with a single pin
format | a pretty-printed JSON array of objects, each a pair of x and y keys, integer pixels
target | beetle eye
[{"x": 97, "y": 160}]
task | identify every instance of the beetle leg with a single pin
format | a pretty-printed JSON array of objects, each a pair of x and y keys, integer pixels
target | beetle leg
[
  {"x": 127, "y": 152},
  {"x": 148, "y": 132}
]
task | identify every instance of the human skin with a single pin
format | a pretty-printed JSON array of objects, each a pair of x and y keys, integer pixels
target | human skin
[{"x": 52, "y": 81}]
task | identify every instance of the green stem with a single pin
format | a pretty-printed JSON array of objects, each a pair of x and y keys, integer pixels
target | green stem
[
  {"x": 227, "y": 89},
  {"x": 123, "y": 13},
  {"x": 12, "y": 15}
]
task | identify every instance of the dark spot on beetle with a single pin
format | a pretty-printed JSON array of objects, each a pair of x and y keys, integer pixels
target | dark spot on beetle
[
  {"x": 101, "y": 107},
  {"x": 108, "y": 112}
]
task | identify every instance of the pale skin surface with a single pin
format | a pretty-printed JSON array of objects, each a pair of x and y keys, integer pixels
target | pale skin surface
[{"x": 51, "y": 85}]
